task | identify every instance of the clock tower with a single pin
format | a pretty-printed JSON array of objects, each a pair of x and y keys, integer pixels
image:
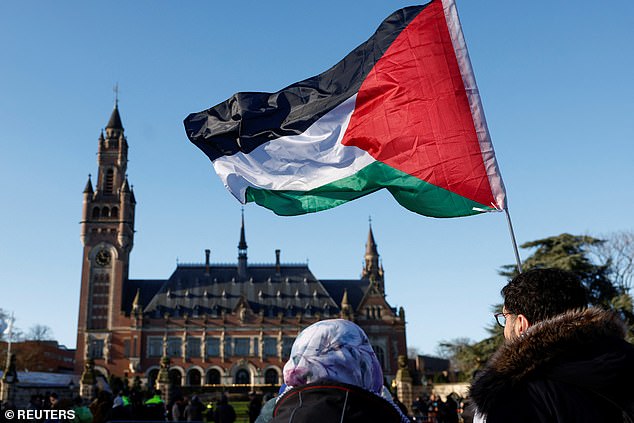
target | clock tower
[{"x": 107, "y": 234}]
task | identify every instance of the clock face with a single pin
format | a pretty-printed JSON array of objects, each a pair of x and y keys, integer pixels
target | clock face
[{"x": 103, "y": 258}]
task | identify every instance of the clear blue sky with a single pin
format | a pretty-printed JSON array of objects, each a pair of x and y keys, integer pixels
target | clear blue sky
[{"x": 555, "y": 79}]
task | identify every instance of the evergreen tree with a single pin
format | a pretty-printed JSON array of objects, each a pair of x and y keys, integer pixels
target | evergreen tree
[{"x": 568, "y": 252}]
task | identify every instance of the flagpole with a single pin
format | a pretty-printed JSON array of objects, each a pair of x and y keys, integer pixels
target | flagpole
[
  {"x": 517, "y": 253},
  {"x": 9, "y": 335}
]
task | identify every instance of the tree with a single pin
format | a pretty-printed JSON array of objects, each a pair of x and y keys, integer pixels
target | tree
[
  {"x": 4, "y": 322},
  {"x": 618, "y": 251},
  {"x": 571, "y": 253},
  {"x": 601, "y": 265},
  {"x": 412, "y": 352},
  {"x": 39, "y": 333},
  {"x": 467, "y": 356}
]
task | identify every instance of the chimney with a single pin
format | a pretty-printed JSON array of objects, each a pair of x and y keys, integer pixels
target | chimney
[
  {"x": 207, "y": 252},
  {"x": 277, "y": 262}
]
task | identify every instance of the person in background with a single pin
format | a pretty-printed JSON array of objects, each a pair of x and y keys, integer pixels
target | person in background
[
  {"x": 561, "y": 361},
  {"x": 82, "y": 412},
  {"x": 178, "y": 409},
  {"x": 53, "y": 399},
  {"x": 154, "y": 407},
  {"x": 255, "y": 406},
  {"x": 194, "y": 410},
  {"x": 224, "y": 412},
  {"x": 101, "y": 407}
]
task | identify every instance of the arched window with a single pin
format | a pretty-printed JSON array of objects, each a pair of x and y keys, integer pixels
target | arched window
[
  {"x": 193, "y": 377},
  {"x": 95, "y": 213},
  {"x": 109, "y": 181},
  {"x": 213, "y": 377},
  {"x": 175, "y": 377},
  {"x": 271, "y": 377},
  {"x": 243, "y": 377},
  {"x": 380, "y": 355},
  {"x": 105, "y": 212},
  {"x": 114, "y": 212}
]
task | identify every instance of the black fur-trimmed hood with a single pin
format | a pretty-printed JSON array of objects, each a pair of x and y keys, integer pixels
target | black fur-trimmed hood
[{"x": 577, "y": 347}]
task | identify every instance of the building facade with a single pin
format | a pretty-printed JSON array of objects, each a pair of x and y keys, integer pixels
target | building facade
[
  {"x": 217, "y": 324},
  {"x": 39, "y": 356}
]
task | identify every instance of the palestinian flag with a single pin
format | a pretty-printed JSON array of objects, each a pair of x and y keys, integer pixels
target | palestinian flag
[{"x": 401, "y": 112}]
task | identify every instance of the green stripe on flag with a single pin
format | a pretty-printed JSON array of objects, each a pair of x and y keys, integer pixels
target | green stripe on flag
[{"x": 412, "y": 193}]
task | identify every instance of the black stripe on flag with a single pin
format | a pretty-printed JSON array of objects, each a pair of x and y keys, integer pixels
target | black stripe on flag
[{"x": 250, "y": 119}]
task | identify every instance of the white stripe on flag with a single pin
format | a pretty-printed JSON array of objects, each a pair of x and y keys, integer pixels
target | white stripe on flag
[
  {"x": 475, "y": 103},
  {"x": 298, "y": 162}
]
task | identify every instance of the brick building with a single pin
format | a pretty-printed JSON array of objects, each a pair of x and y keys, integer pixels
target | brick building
[
  {"x": 40, "y": 356},
  {"x": 218, "y": 324}
]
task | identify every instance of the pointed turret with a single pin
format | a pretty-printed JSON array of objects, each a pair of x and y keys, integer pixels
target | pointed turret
[
  {"x": 344, "y": 299},
  {"x": 370, "y": 245},
  {"x": 85, "y": 212},
  {"x": 346, "y": 309},
  {"x": 136, "y": 303},
  {"x": 102, "y": 139},
  {"x": 125, "y": 233},
  {"x": 371, "y": 267},
  {"x": 242, "y": 252},
  {"x": 115, "y": 119},
  {"x": 88, "y": 189},
  {"x": 242, "y": 245},
  {"x": 125, "y": 188}
]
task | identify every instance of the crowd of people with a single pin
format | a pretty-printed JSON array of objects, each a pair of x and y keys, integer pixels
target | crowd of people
[
  {"x": 561, "y": 362},
  {"x": 433, "y": 409}
]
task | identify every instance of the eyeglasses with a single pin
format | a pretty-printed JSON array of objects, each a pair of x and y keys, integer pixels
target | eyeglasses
[{"x": 501, "y": 318}]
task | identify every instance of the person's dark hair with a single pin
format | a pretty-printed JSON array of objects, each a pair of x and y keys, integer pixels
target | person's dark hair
[{"x": 540, "y": 294}]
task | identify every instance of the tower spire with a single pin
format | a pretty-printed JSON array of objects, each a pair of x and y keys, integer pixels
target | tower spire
[
  {"x": 371, "y": 266},
  {"x": 242, "y": 245},
  {"x": 370, "y": 245},
  {"x": 242, "y": 252},
  {"x": 115, "y": 89},
  {"x": 346, "y": 309},
  {"x": 115, "y": 120},
  {"x": 88, "y": 189}
]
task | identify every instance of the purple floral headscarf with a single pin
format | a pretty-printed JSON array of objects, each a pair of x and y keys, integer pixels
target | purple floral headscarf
[{"x": 337, "y": 350}]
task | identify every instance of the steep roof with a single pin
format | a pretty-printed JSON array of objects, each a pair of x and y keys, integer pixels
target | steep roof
[
  {"x": 115, "y": 119},
  {"x": 355, "y": 288},
  {"x": 147, "y": 290},
  {"x": 196, "y": 290}
]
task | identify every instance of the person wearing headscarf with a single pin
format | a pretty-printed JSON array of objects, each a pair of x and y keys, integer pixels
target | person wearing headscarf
[{"x": 333, "y": 375}]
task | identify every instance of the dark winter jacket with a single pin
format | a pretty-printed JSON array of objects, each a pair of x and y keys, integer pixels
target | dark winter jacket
[
  {"x": 575, "y": 367},
  {"x": 333, "y": 402},
  {"x": 224, "y": 412}
]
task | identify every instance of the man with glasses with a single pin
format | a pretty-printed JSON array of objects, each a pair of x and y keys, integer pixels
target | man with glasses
[{"x": 560, "y": 362}]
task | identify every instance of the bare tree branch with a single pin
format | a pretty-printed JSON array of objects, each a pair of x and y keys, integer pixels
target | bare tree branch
[
  {"x": 618, "y": 252},
  {"x": 39, "y": 333}
]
